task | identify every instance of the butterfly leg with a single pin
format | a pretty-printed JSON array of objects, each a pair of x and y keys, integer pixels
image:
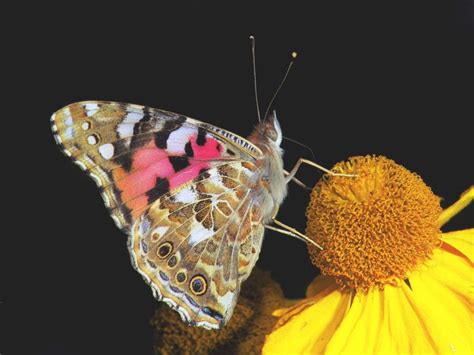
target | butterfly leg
[
  {"x": 297, "y": 181},
  {"x": 300, "y": 161},
  {"x": 287, "y": 230}
]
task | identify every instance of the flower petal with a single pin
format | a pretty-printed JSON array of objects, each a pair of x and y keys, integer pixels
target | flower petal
[
  {"x": 381, "y": 322},
  {"x": 319, "y": 284},
  {"x": 443, "y": 298},
  {"x": 456, "y": 207},
  {"x": 309, "y": 326},
  {"x": 462, "y": 240}
]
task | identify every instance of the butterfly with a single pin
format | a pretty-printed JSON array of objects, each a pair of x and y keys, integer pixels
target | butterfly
[{"x": 193, "y": 198}]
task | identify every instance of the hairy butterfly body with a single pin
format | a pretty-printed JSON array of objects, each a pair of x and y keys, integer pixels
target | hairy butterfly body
[{"x": 192, "y": 197}]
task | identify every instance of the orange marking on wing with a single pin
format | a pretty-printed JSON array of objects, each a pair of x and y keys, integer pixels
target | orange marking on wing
[{"x": 137, "y": 206}]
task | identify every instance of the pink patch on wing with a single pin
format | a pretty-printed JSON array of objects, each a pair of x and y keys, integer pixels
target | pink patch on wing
[
  {"x": 150, "y": 163},
  {"x": 188, "y": 174},
  {"x": 143, "y": 180},
  {"x": 147, "y": 156},
  {"x": 212, "y": 149}
]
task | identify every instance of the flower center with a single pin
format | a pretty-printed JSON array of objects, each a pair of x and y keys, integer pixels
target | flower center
[{"x": 374, "y": 227}]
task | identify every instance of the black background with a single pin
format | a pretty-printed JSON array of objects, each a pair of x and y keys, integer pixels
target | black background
[{"x": 392, "y": 79}]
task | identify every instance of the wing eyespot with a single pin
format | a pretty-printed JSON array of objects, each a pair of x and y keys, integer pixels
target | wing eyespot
[
  {"x": 172, "y": 261},
  {"x": 198, "y": 285},
  {"x": 181, "y": 277},
  {"x": 164, "y": 250}
]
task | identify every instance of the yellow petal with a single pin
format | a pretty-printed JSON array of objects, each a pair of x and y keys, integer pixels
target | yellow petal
[
  {"x": 462, "y": 240},
  {"x": 456, "y": 207},
  {"x": 381, "y": 322},
  {"x": 442, "y": 296},
  {"x": 320, "y": 287},
  {"x": 309, "y": 330},
  {"x": 319, "y": 284}
]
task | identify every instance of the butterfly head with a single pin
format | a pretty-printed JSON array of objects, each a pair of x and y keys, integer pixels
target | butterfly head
[{"x": 270, "y": 129}]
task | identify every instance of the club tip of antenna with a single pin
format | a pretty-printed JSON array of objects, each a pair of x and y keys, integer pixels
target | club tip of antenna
[
  {"x": 294, "y": 55},
  {"x": 251, "y": 37}
]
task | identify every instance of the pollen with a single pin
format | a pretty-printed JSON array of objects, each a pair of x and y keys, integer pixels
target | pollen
[{"x": 374, "y": 227}]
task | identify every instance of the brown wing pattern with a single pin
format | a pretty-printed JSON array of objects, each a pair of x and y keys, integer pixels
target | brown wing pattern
[{"x": 195, "y": 245}]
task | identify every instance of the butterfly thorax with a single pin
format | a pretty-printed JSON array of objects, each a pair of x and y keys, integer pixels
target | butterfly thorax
[{"x": 271, "y": 185}]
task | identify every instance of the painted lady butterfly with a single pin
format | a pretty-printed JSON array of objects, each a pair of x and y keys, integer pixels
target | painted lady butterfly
[{"x": 193, "y": 198}]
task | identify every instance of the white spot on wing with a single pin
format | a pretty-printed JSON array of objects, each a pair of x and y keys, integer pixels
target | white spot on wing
[
  {"x": 86, "y": 125},
  {"x": 68, "y": 121},
  {"x": 92, "y": 139},
  {"x": 178, "y": 139},
  {"x": 67, "y": 117},
  {"x": 69, "y": 133},
  {"x": 227, "y": 300},
  {"x": 161, "y": 230},
  {"x": 199, "y": 233},
  {"x": 92, "y": 106},
  {"x": 186, "y": 195},
  {"x": 106, "y": 150},
  {"x": 125, "y": 130},
  {"x": 132, "y": 117},
  {"x": 91, "y": 109},
  {"x": 216, "y": 179}
]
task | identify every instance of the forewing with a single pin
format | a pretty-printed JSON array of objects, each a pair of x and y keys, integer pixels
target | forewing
[
  {"x": 196, "y": 244},
  {"x": 136, "y": 154}
]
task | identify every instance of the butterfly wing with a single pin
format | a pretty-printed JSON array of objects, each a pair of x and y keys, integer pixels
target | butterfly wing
[
  {"x": 135, "y": 153},
  {"x": 167, "y": 178},
  {"x": 196, "y": 244}
]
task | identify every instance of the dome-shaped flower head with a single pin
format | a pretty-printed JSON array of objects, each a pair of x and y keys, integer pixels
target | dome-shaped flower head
[{"x": 392, "y": 282}]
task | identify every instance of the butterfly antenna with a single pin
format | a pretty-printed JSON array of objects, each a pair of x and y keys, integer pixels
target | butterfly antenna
[
  {"x": 301, "y": 144},
  {"x": 293, "y": 55},
  {"x": 252, "y": 41}
]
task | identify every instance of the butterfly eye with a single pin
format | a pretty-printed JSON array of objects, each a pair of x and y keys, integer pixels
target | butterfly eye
[
  {"x": 180, "y": 277},
  {"x": 198, "y": 285},
  {"x": 164, "y": 250},
  {"x": 271, "y": 133}
]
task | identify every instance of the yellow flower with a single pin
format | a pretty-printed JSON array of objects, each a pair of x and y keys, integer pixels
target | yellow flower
[{"x": 392, "y": 282}]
